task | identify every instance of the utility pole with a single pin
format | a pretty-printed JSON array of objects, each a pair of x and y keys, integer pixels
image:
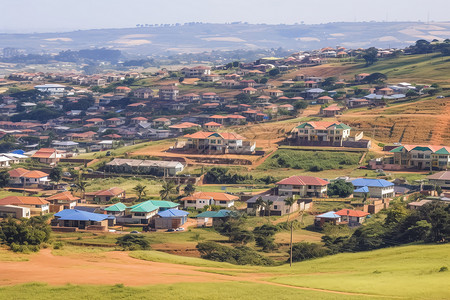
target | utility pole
[{"x": 290, "y": 258}]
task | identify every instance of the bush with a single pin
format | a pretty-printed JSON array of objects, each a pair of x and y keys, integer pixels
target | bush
[
  {"x": 302, "y": 251},
  {"x": 239, "y": 255},
  {"x": 133, "y": 242},
  {"x": 25, "y": 234},
  {"x": 58, "y": 245}
]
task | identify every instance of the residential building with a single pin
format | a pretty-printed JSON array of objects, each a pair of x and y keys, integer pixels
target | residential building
[
  {"x": 14, "y": 211},
  {"x": 441, "y": 179},
  {"x": 122, "y": 90},
  {"x": 279, "y": 206},
  {"x": 374, "y": 188},
  {"x": 170, "y": 219},
  {"x": 28, "y": 179},
  {"x": 37, "y": 205},
  {"x": 49, "y": 156},
  {"x": 321, "y": 133},
  {"x": 424, "y": 157},
  {"x": 79, "y": 219},
  {"x": 303, "y": 186},
  {"x": 213, "y": 218},
  {"x": 117, "y": 210},
  {"x": 161, "y": 122},
  {"x": 144, "y": 212},
  {"x": 329, "y": 217},
  {"x": 63, "y": 200},
  {"x": 143, "y": 93},
  {"x": 196, "y": 72},
  {"x": 218, "y": 143},
  {"x": 352, "y": 217},
  {"x": 168, "y": 93},
  {"x": 105, "y": 195},
  {"x": 199, "y": 200}
]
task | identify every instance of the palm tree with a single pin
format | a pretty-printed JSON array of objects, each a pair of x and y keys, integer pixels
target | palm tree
[
  {"x": 259, "y": 204},
  {"x": 189, "y": 189},
  {"x": 140, "y": 191},
  {"x": 289, "y": 201},
  {"x": 81, "y": 186},
  {"x": 168, "y": 187},
  {"x": 267, "y": 206}
]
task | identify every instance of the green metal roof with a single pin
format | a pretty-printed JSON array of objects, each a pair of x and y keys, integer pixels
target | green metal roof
[
  {"x": 164, "y": 204},
  {"x": 397, "y": 150},
  {"x": 146, "y": 206},
  {"x": 116, "y": 207},
  {"x": 442, "y": 151},
  {"x": 343, "y": 126},
  {"x": 214, "y": 214}
]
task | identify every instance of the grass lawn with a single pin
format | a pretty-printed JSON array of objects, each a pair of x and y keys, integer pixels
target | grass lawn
[
  {"x": 206, "y": 290},
  {"x": 232, "y": 188},
  {"x": 126, "y": 183}
]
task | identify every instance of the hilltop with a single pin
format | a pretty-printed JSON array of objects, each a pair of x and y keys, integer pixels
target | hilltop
[{"x": 198, "y": 37}]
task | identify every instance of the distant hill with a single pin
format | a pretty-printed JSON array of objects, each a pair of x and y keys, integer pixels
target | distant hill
[{"x": 191, "y": 38}]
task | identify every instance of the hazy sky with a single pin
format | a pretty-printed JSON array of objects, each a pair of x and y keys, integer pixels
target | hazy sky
[{"x": 64, "y": 15}]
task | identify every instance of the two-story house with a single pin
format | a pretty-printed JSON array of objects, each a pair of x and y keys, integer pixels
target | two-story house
[
  {"x": 374, "y": 188},
  {"x": 321, "y": 133},
  {"x": 303, "y": 186},
  {"x": 422, "y": 157},
  {"x": 218, "y": 143},
  {"x": 199, "y": 200}
]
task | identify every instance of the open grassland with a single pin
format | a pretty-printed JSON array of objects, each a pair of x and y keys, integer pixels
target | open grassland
[
  {"x": 426, "y": 121},
  {"x": 409, "y": 272},
  {"x": 127, "y": 183},
  {"x": 307, "y": 160}
]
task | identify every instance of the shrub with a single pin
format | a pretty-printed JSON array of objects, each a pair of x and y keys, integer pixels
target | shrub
[
  {"x": 58, "y": 245},
  {"x": 302, "y": 251},
  {"x": 26, "y": 234},
  {"x": 133, "y": 242},
  {"x": 239, "y": 255}
]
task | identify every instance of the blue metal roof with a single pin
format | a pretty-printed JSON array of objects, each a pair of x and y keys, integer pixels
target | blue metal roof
[
  {"x": 360, "y": 182},
  {"x": 329, "y": 215},
  {"x": 21, "y": 152},
  {"x": 80, "y": 215},
  {"x": 172, "y": 213},
  {"x": 363, "y": 189}
]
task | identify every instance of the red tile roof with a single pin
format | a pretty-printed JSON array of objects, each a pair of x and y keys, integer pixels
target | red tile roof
[
  {"x": 351, "y": 213},
  {"x": 18, "y": 200},
  {"x": 303, "y": 180},
  {"x": 213, "y": 195}
]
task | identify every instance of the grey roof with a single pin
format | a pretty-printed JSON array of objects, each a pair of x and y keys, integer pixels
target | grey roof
[{"x": 143, "y": 163}]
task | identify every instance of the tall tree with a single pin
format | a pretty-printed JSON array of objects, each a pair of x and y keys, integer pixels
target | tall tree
[
  {"x": 4, "y": 178},
  {"x": 81, "y": 185},
  {"x": 140, "y": 191},
  {"x": 56, "y": 174},
  {"x": 259, "y": 205},
  {"x": 289, "y": 201},
  {"x": 168, "y": 187},
  {"x": 189, "y": 189}
]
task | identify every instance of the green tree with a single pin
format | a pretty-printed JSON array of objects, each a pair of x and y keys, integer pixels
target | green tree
[
  {"x": 370, "y": 56},
  {"x": 140, "y": 191},
  {"x": 81, "y": 185},
  {"x": 56, "y": 174},
  {"x": 340, "y": 188},
  {"x": 304, "y": 250},
  {"x": 289, "y": 201},
  {"x": 168, "y": 188},
  {"x": 189, "y": 189},
  {"x": 274, "y": 72},
  {"x": 375, "y": 78},
  {"x": 133, "y": 242},
  {"x": 4, "y": 178},
  {"x": 259, "y": 205},
  {"x": 25, "y": 234}
]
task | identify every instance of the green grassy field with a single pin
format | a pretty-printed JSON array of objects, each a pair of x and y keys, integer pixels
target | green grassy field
[{"x": 408, "y": 272}]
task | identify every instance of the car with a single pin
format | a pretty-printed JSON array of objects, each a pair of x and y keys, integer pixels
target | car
[
  {"x": 67, "y": 174},
  {"x": 440, "y": 97},
  {"x": 180, "y": 229},
  {"x": 363, "y": 167},
  {"x": 135, "y": 231},
  {"x": 170, "y": 230}
]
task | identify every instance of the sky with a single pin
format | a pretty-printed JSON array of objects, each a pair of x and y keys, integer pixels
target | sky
[{"x": 25, "y": 16}]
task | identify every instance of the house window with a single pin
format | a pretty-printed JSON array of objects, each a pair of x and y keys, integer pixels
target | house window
[{"x": 275, "y": 207}]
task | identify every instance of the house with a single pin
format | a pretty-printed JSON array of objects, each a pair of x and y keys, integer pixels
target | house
[
  {"x": 199, "y": 200},
  {"x": 361, "y": 77},
  {"x": 191, "y": 98},
  {"x": 213, "y": 218},
  {"x": 79, "y": 219},
  {"x": 278, "y": 207},
  {"x": 287, "y": 107},
  {"x": 37, "y": 205},
  {"x": 116, "y": 210},
  {"x": 352, "y": 217},
  {"x": 249, "y": 90},
  {"x": 14, "y": 211},
  {"x": 47, "y": 156},
  {"x": 63, "y": 200},
  {"x": 212, "y": 126},
  {"x": 138, "y": 120},
  {"x": 105, "y": 195},
  {"x": 218, "y": 143},
  {"x": 229, "y": 83},
  {"x": 115, "y": 121},
  {"x": 95, "y": 121},
  {"x": 183, "y": 126},
  {"x": 418, "y": 204},
  {"x": 143, "y": 212},
  {"x": 122, "y": 90},
  {"x": 324, "y": 100},
  {"x": 210, "y": 96},
  {"x": 274, "y": 93},
  {"x": 170, "y": 219},
  {"x": 143, "y": 93},
  {"x": 329, "y": 217},
  {"x": 314, "y": 93},
  {"x": 303, "y": 186},
  {"x": 422, "y": 157},
  {"x": 28, "y": 179},
  {"x": 247, "y": 83},
  {"x": 353, "y": 103},
  {"x": 320, "y": 133},
  {"x": 65, "y": 145},
  {"x": 331, "y": 111},
  {"x": 161, "y": 122},
  {"x": 376, "y": 188},
  {"x": 168, "y": 93},
  {"x": 196, "y": 72},
  {"x": 441, "y": 179},
  {"x": 138, "y": 166}
]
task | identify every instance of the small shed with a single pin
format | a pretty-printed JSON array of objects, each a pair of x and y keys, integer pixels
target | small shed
[{"x": 170, "y": 219}]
